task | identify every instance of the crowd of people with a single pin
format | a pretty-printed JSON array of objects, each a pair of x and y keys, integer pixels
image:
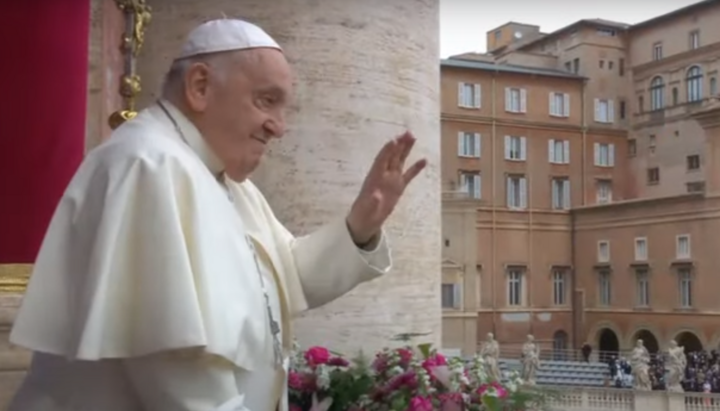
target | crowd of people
[{"x": 702, "y": 373}]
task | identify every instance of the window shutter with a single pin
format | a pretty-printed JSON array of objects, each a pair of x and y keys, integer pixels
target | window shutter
[
  {"x": 477, "y": 96},
  {"x": 478, "y": 145},
  {"x": 555, "y": 193},
  {"x": 508, "y": 142},
  {"x": 523, "y": 148},
  {"x": 523, "y": 100},
  {"x": 509, "y": 192},
  {"x": 461, "y": 143},
  {"x": 508, "y": 99},
  {"x": 461, "y": 94},
  {"x": 477, "y": 181},
  {"x": 457, "y": 295},
  {"x": 596, "y": 148},
  {"x": 566, "y": 151},
  {"x": 597, "y": 110},
  {"x": 551, "y": 104},
  {"x": 551, "y": 151},
  {"x": 566, "y": 194},
  {"x": 611, "y": 111},
  {"x": 566, "y": 105},
  {"x": 523, "y": 192},
  {"x": 611, "y": 155}
]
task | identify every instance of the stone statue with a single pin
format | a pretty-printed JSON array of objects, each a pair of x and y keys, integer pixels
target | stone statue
[
  {"x": 530, "y": 360},
  {"x": 640, "y": 363},
  {"x": 675, "y": 366},
  {"x": 491, "y": 354}
]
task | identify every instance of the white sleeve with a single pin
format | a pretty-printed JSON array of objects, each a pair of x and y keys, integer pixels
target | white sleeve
[{"x": 188, "y": 383}]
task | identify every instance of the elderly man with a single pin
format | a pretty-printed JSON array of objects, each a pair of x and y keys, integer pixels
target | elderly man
[{"x": 164, "y": 282}]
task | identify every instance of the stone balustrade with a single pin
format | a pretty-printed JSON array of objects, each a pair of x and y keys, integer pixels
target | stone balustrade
[{"x": 611, "y": 399}]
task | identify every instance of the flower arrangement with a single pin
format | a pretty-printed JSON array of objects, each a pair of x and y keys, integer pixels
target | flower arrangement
[{"x": 404, "y": 379}]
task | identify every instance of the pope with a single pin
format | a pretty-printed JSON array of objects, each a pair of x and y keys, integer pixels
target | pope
[{"x": 165, "y": 282}]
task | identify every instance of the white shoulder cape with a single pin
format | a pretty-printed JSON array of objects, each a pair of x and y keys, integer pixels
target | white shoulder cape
[{"x": 144, "y": 254}]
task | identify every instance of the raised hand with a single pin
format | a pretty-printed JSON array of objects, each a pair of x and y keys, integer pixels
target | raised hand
[{"x": 382, "y": 189}]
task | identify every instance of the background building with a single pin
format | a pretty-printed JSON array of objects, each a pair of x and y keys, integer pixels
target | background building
[{"x": 588, "y": 159}]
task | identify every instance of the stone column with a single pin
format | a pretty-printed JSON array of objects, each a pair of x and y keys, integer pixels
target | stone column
[
  {"x": 366, "y": 70},
  {"x": 709, "y": 119}
]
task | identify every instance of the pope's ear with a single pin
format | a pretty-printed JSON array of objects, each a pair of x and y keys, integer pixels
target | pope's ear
[{"x": 196, "y": 86}]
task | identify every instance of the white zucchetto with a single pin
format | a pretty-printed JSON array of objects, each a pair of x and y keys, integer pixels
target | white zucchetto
[{"x": 221, "y": 35}]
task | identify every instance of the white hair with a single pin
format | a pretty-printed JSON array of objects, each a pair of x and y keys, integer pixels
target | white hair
[{"x": 174, "y": 84}]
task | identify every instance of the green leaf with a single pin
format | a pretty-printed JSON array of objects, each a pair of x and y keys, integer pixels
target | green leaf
[
  {"x": 425, "y": 350},
  {"x": 492, "y": 403}
]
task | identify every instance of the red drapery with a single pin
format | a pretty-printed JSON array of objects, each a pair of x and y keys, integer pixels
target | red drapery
[{"x": 44, "y": 70}]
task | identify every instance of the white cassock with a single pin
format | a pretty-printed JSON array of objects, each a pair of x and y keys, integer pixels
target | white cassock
[{"x": 146, "y": 295}]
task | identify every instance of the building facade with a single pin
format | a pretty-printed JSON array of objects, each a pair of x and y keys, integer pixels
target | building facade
[{"x": 586, "y": 157}]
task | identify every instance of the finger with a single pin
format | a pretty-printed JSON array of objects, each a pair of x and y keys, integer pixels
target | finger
[
  {"x": 405, "y": 151},
  {"x": 413, "y": 171},
  {"x": 382, "y": 160},
  {"x": 402, "y": 141}
]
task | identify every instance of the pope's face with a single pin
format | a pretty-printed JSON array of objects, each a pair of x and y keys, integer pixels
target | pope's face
[{"x": 243, "y": 108}]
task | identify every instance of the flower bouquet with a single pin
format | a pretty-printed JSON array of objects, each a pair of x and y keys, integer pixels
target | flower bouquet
[{"x": 405, "y": 379}]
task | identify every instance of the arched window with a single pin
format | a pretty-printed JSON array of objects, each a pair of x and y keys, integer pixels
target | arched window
[
  {"x": 694, "y": 84},
  {"x": 657, "y": 94}
]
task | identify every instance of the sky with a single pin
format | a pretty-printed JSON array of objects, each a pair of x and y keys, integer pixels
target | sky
[{"x": 464, "y": 23}]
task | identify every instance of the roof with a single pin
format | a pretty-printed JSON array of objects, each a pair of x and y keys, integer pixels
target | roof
[
  {"x": 674, "y": 13},
  {"x": 507, "y": 68},
  {"x": 590, "y": 22}
]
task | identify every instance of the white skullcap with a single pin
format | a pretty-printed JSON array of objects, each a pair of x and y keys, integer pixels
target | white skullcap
[{"x": 216, "y": 36}]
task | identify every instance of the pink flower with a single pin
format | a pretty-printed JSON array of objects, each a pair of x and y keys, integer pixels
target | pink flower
[
  {"x": 317, "y": 355},
  {"x": 420, "y": 404},
  {"x": 494, "y": 389},
  {"x": 295, "y": 381},
  {"x": 380, "y": 364},
  {"x": 294, "y": 407},
  {"x": 405, "y": 380},
  {"x": 338, "y": 362},
  {"x": 433, "y": 362},
  {"x": 405, "y": 356}
]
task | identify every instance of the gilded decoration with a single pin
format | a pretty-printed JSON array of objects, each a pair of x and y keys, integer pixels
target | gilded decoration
[
  {"x": 137, "y": 18},
  {"x": 14, "y": 277}
]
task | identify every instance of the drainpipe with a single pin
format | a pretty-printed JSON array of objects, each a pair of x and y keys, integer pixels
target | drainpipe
[{"x": 493, "y": 228}]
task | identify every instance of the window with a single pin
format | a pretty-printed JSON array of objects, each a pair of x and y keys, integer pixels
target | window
[
  {"x": 657, "y": 52},
  {"x": 450, "y": 296},
  {"x": 642, "y": 288},
  {"x": 576, "y": 66},
  {"x": 693, "y": 162},
  {"x": 559, "y": 104},
  {"x": 560, "y": 193},
  {"x": 675, "y": 97},
  {"x": 568, "y": 66},
  {"x": 603, "y": 191},
  {"x": 604, "y": 155},
  {"x": 469, "y": 95},
  {"x": 651, "y": 143},
  {"x": 685, "y": 287},
  {"x": 641, "y": 104},
  {"x": 621, "y": 67},
  {"x": 713, "y": 86},
  {"x": 602, "y": 63},
  {"x": 498, "y": 35},
  {"x": 657, "y": 94},
  {"x": 653, "y": 176},
  {"x": 515, "y": 287},
  {"x": 515, "y": 148},
  {"x": 604, "y": 111},
  {"x": 469, "y": 144},
  {"x": 603, "y": 251},
  {"x": 695, "y": 187},
  {"x": 632, "y": 147},
  {"x": 559, "y": 287},
  {"x": 515, "y": 100},
  {"x": 641, "y": 249},
  {"x": 610, "y": 65},
  {"x": 559, "y": 151},
  {"x": 694, "y": 84},
  {"x": 623, "y": 111},
  {"x": 606, "y": 32},
  {"x": 694, "y": 40},
  {"x": 682, "y": 247},
  {"x": 471, "y": 184},
  {"x": 604, "y": 288},
  {"x": 516, "y": 192}
]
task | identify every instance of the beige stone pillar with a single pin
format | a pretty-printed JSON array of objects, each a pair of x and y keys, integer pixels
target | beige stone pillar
[{"x": 366, "y": 70}]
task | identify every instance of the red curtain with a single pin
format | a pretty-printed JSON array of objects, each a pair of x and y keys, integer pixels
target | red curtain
[{"x": 44, "y": 71}]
